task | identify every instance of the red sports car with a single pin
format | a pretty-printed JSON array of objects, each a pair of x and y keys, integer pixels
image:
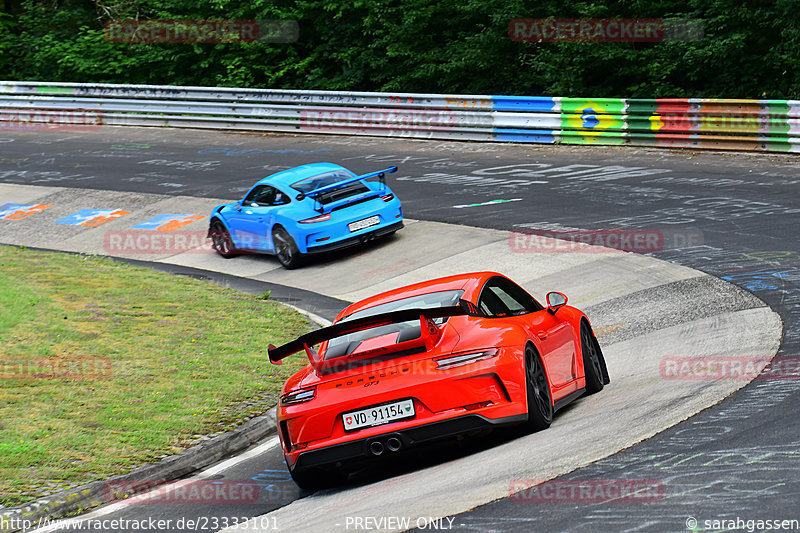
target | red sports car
[{"x": 432, "y": 360}]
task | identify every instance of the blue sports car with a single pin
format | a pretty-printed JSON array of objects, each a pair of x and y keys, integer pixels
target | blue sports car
[{"x": 306, "y": 210}]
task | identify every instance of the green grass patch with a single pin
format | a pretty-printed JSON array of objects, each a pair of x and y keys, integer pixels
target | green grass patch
[{"x": 105, "y": 366}]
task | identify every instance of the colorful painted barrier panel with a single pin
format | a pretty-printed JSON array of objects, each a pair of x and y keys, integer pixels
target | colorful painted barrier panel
[
  {"x": 525, "y": 136},
  {"x": 11, "y": 211},
  {"x": 605, "y": 138},
  {"x": 595, "y": 106},
  {"x": 525, "y": 103},
  {"x": 592, "y": 121},
  {"x": 168, "y": 222},
  {"x": 92, "y": 217}
]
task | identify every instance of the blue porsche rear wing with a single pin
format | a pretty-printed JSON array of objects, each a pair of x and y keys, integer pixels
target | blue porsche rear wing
[
  {"x": 429, "y": 333},
  {"x": 322, "y": 190}
]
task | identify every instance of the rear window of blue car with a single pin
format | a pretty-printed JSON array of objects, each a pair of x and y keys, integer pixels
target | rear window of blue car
[{"x": 321, "y": 180}]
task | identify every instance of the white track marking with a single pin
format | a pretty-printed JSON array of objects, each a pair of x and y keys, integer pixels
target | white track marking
[{"x": 114, "y": 507}]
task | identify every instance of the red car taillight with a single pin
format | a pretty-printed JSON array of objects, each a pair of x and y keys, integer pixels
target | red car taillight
[
  {"x": 298, "y": 396},
  {"x": 451, "y": 361},
  {"x": 321, "y": 218},
  {"x": 387, "y": 198}
]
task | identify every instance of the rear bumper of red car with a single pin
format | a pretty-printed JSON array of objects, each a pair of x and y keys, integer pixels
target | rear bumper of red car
[
  {"x": 480, "y": 395},
  {"x": 363, "y": 449}
]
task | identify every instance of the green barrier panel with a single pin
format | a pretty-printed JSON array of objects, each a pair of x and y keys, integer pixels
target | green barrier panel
[
  {"x": 592, "y": 121},
  {"x": 600, "y": 138}
]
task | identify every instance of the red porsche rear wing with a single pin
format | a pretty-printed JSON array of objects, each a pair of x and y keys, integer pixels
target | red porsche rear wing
[{"x": 430, "y": 333}]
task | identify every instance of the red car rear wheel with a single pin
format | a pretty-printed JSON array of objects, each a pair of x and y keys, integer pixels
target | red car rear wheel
[
  {"x": 540, "y": 401},
  {"x": 316, "y": 478}
]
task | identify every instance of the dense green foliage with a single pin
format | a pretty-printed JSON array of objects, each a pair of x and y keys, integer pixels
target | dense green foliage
[{"x": 749, "y": 49}]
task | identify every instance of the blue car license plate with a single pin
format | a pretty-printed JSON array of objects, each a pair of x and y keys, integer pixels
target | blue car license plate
[{"x": 364, "y": 223}]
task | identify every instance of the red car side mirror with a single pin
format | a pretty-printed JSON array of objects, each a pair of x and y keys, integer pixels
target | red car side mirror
[{"x": 555, "y": 300}]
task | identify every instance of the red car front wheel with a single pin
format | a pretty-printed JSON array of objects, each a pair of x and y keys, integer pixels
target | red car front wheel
[{"x": 592, "y": 366}]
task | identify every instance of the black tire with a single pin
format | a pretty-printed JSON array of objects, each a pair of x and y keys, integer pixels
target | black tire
[
  {"x": 315, "y": 478},
  {"x": 304, "y": 479},
  {"x": 593, "y": 362},
  {"x": 221, "y": 240},
  {"x": 285, "y": 249},
  {"x": 540, "y": 400}
]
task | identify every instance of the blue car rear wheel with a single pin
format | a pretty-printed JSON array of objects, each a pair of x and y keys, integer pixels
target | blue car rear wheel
[{"x": 285, "y": 249}]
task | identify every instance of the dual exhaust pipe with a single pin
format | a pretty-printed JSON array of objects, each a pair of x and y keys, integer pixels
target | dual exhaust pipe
[{"x": 391, "y": 444}]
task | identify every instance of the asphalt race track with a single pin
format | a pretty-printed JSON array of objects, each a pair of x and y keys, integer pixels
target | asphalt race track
[
  {"x": 645, "y": 311},
  {"x": 729, "y": 215}
]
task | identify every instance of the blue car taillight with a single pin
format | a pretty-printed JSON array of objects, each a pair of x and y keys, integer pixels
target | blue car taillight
[{"x": 321, "y": 218}]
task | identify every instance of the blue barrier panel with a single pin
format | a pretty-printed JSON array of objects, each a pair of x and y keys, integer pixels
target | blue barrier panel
[
  {"x": 524, "y": 136},
  {"x": 543, "y": 104}
]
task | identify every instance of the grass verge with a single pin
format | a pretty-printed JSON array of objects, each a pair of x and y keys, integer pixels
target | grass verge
[{"x": 105, "y": 366}]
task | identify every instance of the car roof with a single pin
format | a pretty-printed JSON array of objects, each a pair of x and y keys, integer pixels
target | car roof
[
  {"x": 469, "y": 282},
  {"x": 292, "y": 175}
]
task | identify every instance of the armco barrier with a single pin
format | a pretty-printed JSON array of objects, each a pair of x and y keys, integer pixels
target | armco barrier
[{"x": 755, "y": 125}]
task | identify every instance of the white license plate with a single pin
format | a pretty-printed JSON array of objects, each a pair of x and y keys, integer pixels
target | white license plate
[
  {"x": 378, "y": 415},
  {"x": 364, "y": 223}
]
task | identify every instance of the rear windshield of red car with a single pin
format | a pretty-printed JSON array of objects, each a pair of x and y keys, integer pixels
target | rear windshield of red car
[{"x": 346, "y": 344}]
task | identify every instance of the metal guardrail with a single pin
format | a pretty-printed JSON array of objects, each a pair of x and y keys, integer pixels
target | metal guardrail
[{"x": 755, "y": 125}]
